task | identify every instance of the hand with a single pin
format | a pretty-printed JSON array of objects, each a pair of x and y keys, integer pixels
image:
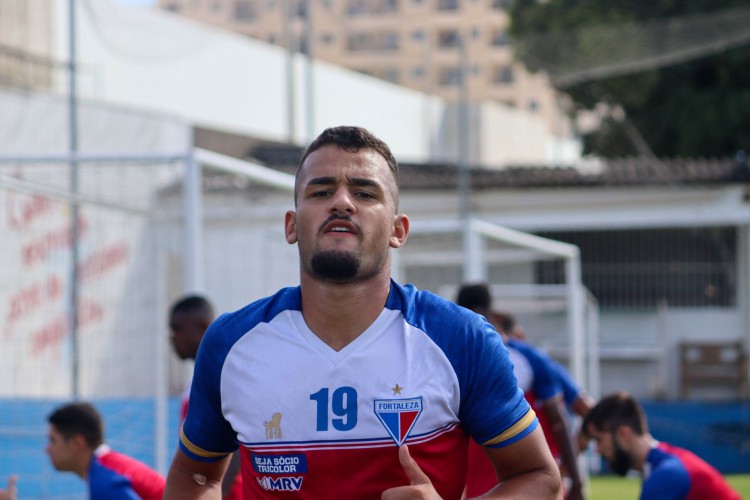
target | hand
[
  {"x": 11, "y": 492},
  {"x": 420, "y": 486}
]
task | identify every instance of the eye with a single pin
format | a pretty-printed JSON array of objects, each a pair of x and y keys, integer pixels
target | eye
[
  {"x": 320, "y": 194},
  {"x": 366, "y": 195}
]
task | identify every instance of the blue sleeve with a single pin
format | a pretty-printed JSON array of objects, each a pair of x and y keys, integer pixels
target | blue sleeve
[
  {"x": 545, "y": 384},
  {"x": 669, "y": 481},
  {"x": 205, "y": 434},
  {"x": 569, "y": 388}
]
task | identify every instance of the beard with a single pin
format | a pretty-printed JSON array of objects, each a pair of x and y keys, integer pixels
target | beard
[
  {"x": 335, "y": 266},
  {"x": 621, "y": 462}
]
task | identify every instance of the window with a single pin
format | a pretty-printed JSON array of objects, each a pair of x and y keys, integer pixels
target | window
[
  {"x": 532, "y": 105},
  {"x": 447, "y": 5},
  {"x": 448, "y": 39},
  {"x": 693, "y": 267},
  {"x": 503, "y": 75},
  {"x": 326, "y": 38},
  {"x": 392, "y": 75},
  {"x": 418, "y": 72},
  {"x": 418, "y": 35},
  {"x": 500, "y": 4},
  {"x": 363, "y": 42},
  {"x": 500, "y": 38},
  {"x": 244, "y": 11},
  {"x": 449, "y": 76}
]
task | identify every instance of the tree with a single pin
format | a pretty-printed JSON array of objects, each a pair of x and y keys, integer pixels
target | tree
[{"x": 684, "y": 78}]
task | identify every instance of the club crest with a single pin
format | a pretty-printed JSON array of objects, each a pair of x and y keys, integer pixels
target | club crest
[{"x": 398, "y": 416}]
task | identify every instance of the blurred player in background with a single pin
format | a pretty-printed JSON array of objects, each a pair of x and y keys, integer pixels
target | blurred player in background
[
  {"x": 76, "y": 444},
  {"x": 352, "y": 385},
  {"x": 189, "y": 317},
  {"x": 540, "y": 381},
  {"x": 618, "y": 425}
]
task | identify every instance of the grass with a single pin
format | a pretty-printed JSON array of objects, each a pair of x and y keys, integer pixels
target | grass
[{"x": 618, "y": 488}]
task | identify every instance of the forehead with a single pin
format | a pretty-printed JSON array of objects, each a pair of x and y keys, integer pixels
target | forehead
[{"x": 332, "y": 161}]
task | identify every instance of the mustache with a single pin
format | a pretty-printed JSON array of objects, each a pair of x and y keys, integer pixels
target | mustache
[{"x": 332, "y": 218}]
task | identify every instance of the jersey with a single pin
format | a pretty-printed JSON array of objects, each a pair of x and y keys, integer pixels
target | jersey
[
  {"x": 674, "y": 473},
  {"x": 533, "y": 371},
  {"x": 313, "y": 423},
  {"x": 235, "y": 491},
  {"x": 543, "y": 386},
  {"x": 114, "y": 476}
]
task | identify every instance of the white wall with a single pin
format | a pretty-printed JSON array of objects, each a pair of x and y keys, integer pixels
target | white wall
[{"x": 220, "y": 80}]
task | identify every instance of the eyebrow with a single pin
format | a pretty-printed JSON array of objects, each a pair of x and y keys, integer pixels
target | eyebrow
[{"x": 356, "y": 181}]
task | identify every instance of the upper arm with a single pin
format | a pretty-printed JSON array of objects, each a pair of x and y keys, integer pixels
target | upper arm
[
  {"x": 528, "y": 461},
  {"x": 185, "y": 475}
]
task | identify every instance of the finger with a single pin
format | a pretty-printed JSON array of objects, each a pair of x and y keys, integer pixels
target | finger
[
  {"x": 12, "y": 489},
  {"x": 410, "y": 466}
]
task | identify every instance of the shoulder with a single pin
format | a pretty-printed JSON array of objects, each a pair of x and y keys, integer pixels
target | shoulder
[
  {"x": 667, "y": 478},
  {"x": 230, "y": 327},
  {"x": 441, "y": 319}
]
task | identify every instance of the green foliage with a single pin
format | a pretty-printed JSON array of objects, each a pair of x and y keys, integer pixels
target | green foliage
[{"x": 694, "y": 108}]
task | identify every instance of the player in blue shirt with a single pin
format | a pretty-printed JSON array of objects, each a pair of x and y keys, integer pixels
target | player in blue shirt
[{"x": 618, "y": 425}]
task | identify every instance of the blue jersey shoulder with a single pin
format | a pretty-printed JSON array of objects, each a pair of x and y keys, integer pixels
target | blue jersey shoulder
[
  {"x": 489, "y": 390},
  {"x": 668, "y": 478},
  {"x": 106, "y": 483}
]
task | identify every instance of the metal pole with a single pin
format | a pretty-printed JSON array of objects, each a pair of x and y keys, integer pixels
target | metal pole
[
  {"x": 309, "y": 77},
  {"x": 290, "y": 87},
  {"x": 74, "y": 227},
  {"x": 193, "y": 210},
  {"x": 463, "y": 165}
]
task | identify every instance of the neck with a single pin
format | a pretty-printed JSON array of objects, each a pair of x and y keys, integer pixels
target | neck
[
  {"x": 338, "y": 314},
  {"x": 82, "y": 468},
  {"x": 641, "y": 448}
]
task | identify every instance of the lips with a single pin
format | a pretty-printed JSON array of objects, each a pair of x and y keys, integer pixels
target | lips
[{"x": 339, "y": 227}]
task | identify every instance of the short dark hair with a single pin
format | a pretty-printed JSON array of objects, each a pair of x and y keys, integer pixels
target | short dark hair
[
  {"x": 193, "y": 303},
  {"x": 79, "y": 419},
  {"x": 352, "y": 139},
  {"x": 474, "y": 296},
  {"x": 615, "y": 410},
  {"x": 506, "y": 321}
]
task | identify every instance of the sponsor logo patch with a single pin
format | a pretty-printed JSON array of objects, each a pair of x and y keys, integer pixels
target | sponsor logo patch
[
  {"x": 295, "y": 463},
  {"x": 398, "y": 416},
  {"x": 280, "y": 483}
]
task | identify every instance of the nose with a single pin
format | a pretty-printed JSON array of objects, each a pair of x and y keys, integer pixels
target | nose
[{"x": 341, "y": 201}]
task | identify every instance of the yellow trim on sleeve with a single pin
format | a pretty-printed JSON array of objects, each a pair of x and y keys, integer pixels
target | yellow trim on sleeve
[
  {"x": 199, "y": 451},
  {"x": 513, "y": 430}
]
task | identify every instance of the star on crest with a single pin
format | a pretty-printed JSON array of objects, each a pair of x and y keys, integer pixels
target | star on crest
[{"x": 397, "y": 389}]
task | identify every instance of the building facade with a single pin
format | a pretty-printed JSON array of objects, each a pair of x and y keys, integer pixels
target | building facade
[{"x": 421, "y": 44}]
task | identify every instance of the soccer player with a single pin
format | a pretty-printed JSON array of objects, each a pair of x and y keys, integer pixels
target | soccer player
[
  {"x": 542, "y": 388},
  {"x": 189, "y": 317},
  {"x": 618, "y": 425},
  {"x": 76, "y": 444},
  {"x": 352, "y": 385}
]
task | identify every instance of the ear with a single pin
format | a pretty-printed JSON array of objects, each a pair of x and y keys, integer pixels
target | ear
[
  {"x": 624, "y": 435},
  {"x": 290, "y": 227},
  {"x": 400, "y": 231}
]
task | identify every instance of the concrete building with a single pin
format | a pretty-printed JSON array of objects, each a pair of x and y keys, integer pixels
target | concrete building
[{"x": 415, "y": 43}]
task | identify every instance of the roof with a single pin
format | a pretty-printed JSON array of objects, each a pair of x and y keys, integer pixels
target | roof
[{"x": 636, "y": 171}]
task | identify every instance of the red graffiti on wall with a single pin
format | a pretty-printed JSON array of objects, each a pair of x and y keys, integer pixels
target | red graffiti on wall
[
  {"x": 50, "y": 335},
  {"x": 22, "y": 211}
]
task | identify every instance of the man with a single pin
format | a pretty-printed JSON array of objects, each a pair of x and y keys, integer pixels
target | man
[
  {"x": 76, "y": 444},
  {"x": 351, "y": 385},
  {"x": 542, "y": 389},
  {"x": 618, "y": 425},
  {"x": 189, "y": 317}
]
